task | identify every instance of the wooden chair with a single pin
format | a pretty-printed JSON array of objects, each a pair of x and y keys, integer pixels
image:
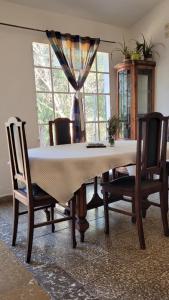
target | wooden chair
[
  {"x": 60, "y": 131},
  {"x": 31, "y": 195},
  {"x": 167, "y": 167},
  {"x": 150, "y": 160}
]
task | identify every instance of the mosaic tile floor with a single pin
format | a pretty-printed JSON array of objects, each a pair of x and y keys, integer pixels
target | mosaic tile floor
[{"x": 101, "y": 268}]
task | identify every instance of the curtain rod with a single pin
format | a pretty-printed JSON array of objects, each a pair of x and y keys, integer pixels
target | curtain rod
[{"x": 40, "y": 30}]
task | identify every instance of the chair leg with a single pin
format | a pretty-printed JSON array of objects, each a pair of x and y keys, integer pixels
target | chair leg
[
  {"x": 106, "y": 212},
  {"x": 47, "y": 214},
  {"x": 164, "y": 211},
  {"x": 133, "y": 218},
  {"x": 52, "y": 218},
  {"x": 15, "y": 220},
  {"x": 139, "y": 222},
  {"x": 145, "y": 206},
  {"x": 73, "y": 211},
  {"x": 30, "y": 233}
]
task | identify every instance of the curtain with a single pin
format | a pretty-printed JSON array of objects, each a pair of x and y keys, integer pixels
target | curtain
[{"x": 76, "y": 55}]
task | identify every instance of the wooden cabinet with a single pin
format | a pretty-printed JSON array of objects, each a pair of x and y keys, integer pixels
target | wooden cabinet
[{"x": 135, "y": 94}]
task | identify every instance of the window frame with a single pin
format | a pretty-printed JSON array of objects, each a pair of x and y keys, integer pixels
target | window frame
[{"x": 71, "y": 93}]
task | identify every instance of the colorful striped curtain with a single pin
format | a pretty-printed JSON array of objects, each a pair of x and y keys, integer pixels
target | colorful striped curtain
[{"x": 76, "y": 55}]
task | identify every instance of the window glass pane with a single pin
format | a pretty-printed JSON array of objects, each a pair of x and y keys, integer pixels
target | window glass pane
[
  {"x": 45, "y": 107},
  {"x": 90, "y": 83},
  {"x": 55, "y": 62},
  {"x": 143, "y": 93},
  {"x": 103, "y": 83},
  {"x": 60, "y": 82},
  {"x": 104, "y": 107},
  {"x": 43, "y": 80},
  {"x": 103, "y": 131},
  {"x": 124, "y": 78},
  {"x": 91, "y": 132},
  {"x": 63, "y": 105},
  {"x": 91, "y": 110},
  {"x": 71, "y": 89},
  {"x": 44, "y": 135},
  {"x": 41, "y": 54},
  {"x": 102, "y": 62}
]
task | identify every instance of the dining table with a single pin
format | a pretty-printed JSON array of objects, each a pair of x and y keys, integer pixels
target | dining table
[{"x": 62, "y": 170}]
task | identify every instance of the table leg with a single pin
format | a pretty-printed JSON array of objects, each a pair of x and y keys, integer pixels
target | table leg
[
  {"x": 96, "y": 201},
  {"x": 81, "y": 211}
]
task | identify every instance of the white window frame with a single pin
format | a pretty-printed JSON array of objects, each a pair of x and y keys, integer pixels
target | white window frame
[{"x": 52, "y": 92}]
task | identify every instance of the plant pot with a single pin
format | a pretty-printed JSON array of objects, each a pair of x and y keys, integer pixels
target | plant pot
[
  {"x": 148, "y": 58},
  {"x": 111, "y": 140},
  {"x": 135, "y": 56},
  {"x": 127, "y": 59}
]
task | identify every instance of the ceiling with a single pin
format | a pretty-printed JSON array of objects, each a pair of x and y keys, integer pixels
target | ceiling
[{"x": 114, "y": 12}]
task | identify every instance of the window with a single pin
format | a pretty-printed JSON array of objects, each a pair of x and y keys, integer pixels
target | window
[{"x": 54, "y": 94}]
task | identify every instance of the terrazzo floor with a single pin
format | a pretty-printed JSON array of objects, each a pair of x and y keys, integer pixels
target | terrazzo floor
[
  {"x": 102, "y": 267},
  {"x": 16, "y": 282}
]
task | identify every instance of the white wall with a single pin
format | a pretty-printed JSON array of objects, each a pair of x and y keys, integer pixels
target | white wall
[
  {"x": 17, "y": 90},
  {"x": 152, "y": 26}
]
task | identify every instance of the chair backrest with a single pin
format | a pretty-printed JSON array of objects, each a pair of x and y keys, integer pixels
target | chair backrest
[
  {"x": 151, "y": 145},
  {"x": 60, "y": 131},
  {"x": 18, "y": 153}
]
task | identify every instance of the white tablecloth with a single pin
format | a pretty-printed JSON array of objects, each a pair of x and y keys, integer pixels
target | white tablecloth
[{"x": 61, "y": 170}]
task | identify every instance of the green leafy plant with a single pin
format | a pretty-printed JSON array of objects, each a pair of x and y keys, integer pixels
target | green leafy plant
[
  {"x": 135, "y": 55},
  {"x": 113, "y": 125},
  {"x": 147, "y": 48},
  {"x": 124, "y": 49}
]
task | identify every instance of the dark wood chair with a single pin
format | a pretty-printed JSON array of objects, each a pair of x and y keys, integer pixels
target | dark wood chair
[
  {"x": 31, "y": 195},
  {"x": 60, "y": 131},
  {"x": 167, "y": 166},
  {"x": 150, "y": 160}
]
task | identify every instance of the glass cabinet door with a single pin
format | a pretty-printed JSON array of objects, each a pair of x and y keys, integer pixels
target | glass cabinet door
[
  {"x": 144, "y": 90},
  {"x": 124, "y": 103}
]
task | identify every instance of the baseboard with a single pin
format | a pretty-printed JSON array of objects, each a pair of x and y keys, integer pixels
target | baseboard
[{"x": 5, "y": 198}]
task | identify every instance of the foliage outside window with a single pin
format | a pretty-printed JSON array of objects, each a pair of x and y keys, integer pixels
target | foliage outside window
[{"x": 54, "y": 94}]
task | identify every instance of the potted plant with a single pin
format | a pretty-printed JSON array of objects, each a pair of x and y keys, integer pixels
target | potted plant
[
  {"x": 135, "y": 54},
  {"x": 113, "y": 125},
  {"x": 147, "y": 48},
  {"x": 124, "y": 49}
]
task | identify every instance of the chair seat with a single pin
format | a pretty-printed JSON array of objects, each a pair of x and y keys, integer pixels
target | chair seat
[
  {"x": 126, "y": 185},
  {"x": 39, "y": 195}
]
